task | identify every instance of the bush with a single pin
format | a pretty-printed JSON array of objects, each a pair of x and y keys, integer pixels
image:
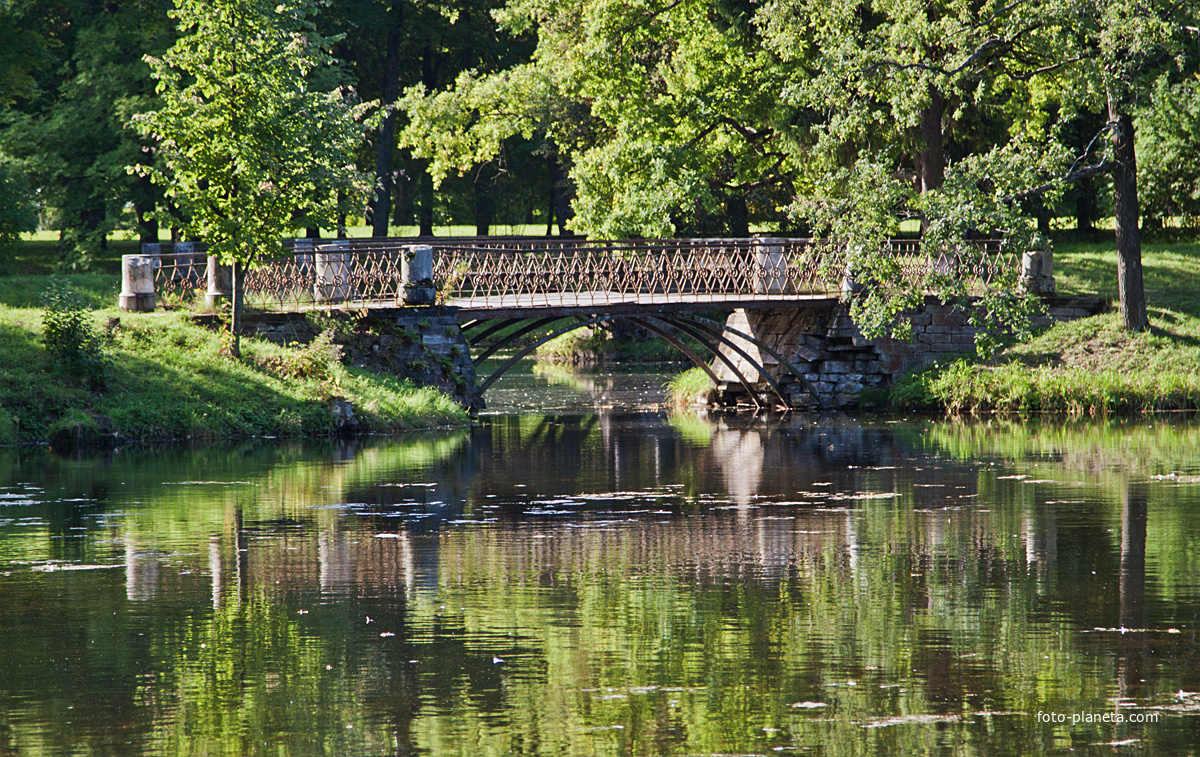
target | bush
[
  {"x": 69, "y": 335},
  {"x": 315, "y": 361}
]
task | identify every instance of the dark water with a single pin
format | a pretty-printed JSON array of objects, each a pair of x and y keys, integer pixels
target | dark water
[{"x": 615, "y": 582}]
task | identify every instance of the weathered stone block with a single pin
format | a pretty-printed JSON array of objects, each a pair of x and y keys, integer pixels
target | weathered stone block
[
  {"x": 948, "y": 318},
  {"x": 849, "y": 387},
  {"x": 808, "y": 353}
]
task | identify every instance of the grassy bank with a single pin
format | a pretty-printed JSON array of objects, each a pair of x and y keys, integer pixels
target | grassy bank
[
  {"x": 162, "y": 377},
  {"x": 1092, "y": 365},
  {"x": 687, "y": 386}
]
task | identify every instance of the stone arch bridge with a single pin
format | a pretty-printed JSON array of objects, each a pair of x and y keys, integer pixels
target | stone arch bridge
[{"x": 762, "y": 316}]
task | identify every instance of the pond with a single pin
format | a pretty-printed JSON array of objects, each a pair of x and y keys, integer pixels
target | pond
[{"x": 603, "y": 577}]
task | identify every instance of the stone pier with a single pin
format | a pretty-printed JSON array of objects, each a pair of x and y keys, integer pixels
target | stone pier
[{"x": 823, "y": 343}]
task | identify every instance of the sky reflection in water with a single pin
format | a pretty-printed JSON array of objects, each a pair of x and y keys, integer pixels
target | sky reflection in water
[{"x": 611, "y": 583}]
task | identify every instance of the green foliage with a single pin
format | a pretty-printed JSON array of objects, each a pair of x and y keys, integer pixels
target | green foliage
[
  {"x": 69, "y": 335},
  {"x": 566, "y": 347},
  {"x": 1168, "y": 134},
  {"x": 18, "y": 211},
  {"x": 79, "y": 79},
  {"x": 252, "y": 133},
  {"x": 315, "y": 360},
  {"x": 684, "y": 388},
  {"x": 669, "y": 117},
  {"x": 8, "y": 430},
  {"x": 1003, "y": 314}
]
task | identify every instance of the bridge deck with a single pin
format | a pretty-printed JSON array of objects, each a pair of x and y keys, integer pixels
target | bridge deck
[
  {"x": 621, "y": 303},
  {"x": 513, "y": 278}
]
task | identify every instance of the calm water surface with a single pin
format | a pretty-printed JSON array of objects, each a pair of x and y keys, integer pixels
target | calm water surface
[{"x": 604, "y": 578}]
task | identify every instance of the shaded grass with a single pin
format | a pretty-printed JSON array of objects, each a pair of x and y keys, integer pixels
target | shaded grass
[
  {"x": 40, "y": 257},
  {"x": 1091, "y": 365},
  {"x": 172, "y": 379}
]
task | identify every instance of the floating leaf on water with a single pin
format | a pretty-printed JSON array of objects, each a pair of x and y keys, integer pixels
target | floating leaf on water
[
  {"x": 906, "y": 719},
  {"x": 808, "y": 705}
]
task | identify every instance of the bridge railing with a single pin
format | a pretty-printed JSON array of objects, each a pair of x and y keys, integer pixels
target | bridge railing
[{"x": 500, "y": 272}]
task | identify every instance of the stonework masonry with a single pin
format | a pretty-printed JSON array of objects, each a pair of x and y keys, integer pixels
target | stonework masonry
[{"x": 822, "y": 342}]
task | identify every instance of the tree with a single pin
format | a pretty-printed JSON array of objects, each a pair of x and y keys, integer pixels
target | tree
[
  {"x": 664, "y": 114},
  {"x": 77, "y": 77},
  {"x": 1034, "y": 66},
  {"x": 248, "y": 143},
  {"x": 1168, "y": 139}
]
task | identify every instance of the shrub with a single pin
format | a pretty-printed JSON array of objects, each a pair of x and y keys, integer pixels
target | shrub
[
  {"x": 69, "y": 335},
  {"x": 316, "y": 360}
]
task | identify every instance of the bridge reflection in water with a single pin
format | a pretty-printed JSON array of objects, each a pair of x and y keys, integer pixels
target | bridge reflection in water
[{"x": 719, "y": 586}]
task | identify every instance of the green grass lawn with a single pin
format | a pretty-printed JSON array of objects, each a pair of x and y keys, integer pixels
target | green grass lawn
[
  {"x": 1091, "y": 365},
  {"x": 169, "y": 378}
]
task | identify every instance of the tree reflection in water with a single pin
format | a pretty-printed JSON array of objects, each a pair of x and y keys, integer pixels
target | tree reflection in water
[{"x": 609, "y": 583}]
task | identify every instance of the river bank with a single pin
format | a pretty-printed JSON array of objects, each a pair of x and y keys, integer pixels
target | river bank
[
  {"x": 1088, "y": 366},
  {"x": 161, "y": 376}
]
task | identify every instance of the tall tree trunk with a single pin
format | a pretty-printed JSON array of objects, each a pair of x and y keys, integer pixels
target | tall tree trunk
[
  {"x": 144, "y": 208},
  {"x": 381, "y": 203},
  {"x": 429, "y": 79},
  {"x": 932, "y": 158},
  {"x": 341, "y": 215},
  {"x": 312, "y": 232},
  {"x": 147, "y": 229},
  {"x": 1130, "y": 290},
  {"x": 1131, "y": 611},
  {"x": 737, "y": 216},
  {"x": 562, "y": 194},
  {"x": 1085, "y": 206},
  {"x": 484, "y": 206},
  {"x": 235, "y": 320},
  {"x": 425, "y": 190}
]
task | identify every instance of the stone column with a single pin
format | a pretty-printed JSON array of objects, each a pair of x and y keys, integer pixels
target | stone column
[
  {"x": 333, "y": 273},
  {"x": 416, "y": 276},
  {"x": 220, "y": 284},
  {"x": 137, "y": 283},
  {"x": 302, "y": 249},
  {"x": 1037, "y": 272},
  {"x": 770, "y": 262}
]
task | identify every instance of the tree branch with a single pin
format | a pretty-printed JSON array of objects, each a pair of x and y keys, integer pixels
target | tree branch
[{"x": 1103, "y": 166}]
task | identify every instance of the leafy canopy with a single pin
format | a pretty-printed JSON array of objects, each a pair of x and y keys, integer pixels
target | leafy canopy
[{"x": 253, "y": 135}]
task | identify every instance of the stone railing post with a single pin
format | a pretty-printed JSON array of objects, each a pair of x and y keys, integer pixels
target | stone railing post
[
  {"x": 137, "y": 283},
  {"x": 220, "y": 282},
  {"x": 770, "y": 262},
  {"x": 416, "y": 276},
  {"x": 332, "y": 263},
  {"x": 1037, "y": 272}
]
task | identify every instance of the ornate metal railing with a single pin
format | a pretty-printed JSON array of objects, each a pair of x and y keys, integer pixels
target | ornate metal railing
[{"x": 521, "y": 272}]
